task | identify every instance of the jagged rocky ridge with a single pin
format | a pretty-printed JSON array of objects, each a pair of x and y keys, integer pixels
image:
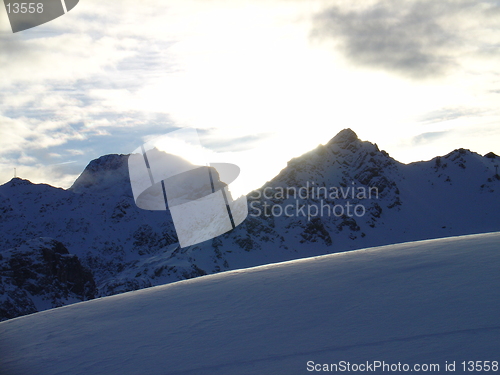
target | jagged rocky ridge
[
  {"x": 127, "y": 248},
  {"x": 41, "y": 274}
]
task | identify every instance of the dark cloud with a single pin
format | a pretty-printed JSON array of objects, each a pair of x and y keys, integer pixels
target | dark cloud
[
  {"x": 428, "y": 137},
  {"x": 417, "y": 39},
  {"x": 230, "y": 145}
]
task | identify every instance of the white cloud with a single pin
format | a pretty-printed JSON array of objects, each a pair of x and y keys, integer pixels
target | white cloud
[
  {"x": 74, "y": 152},
  {"x": 66, "y": 57}
]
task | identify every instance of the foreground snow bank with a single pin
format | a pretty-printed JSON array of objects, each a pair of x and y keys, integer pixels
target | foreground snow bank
[{"x": 417, "y": 303}]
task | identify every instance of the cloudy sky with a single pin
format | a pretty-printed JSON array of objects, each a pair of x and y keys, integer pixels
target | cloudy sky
[{"x": 262, "y": 80}]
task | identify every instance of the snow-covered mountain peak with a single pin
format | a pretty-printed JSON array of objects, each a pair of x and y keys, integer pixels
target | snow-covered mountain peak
[
  {"x": 344, "y": 136},
  {"x": 459, "y": 153},
  {"x": 107, "y": 162},
  {"x": 461, "y": 159},
  {"x": 16, "y": 181},
  {"x": 23, "y": 189},
  {"x": 103, "y": 174},
  {"x": 347, "y": 139},
  {"x": 334, "y": 162}
]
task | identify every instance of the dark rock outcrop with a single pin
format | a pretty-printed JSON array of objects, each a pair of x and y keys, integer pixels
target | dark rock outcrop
[{"x": 41, "y": 274}]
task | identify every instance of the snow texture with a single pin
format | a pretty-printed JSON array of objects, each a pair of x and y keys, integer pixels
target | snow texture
[{"x": 426, "y": 302}]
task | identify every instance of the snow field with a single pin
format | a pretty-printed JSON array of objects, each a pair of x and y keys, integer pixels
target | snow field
[{"x": 419, "y": 302}]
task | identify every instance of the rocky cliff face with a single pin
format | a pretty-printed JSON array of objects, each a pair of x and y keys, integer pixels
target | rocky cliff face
[
  {"x": 41, "y": 274},
  {"x": 346, "y": 194}
]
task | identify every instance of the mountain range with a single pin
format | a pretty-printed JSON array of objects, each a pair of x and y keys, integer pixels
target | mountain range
[{"x": 62, "y": 246}]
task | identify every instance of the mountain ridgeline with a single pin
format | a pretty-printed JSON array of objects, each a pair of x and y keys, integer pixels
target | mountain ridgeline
[{"x": 344, "y": 195}]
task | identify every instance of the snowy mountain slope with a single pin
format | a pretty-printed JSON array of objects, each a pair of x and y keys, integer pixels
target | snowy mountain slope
[
  {"x": 414, "y": 201},
  {"x": 433, "y": 302},
  {"x": 128, "y": 248}
]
